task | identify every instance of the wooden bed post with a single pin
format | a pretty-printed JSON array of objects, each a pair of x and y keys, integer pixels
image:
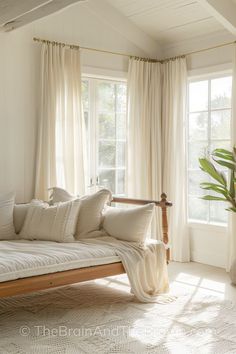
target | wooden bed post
[{"x": 163, "y": 205}]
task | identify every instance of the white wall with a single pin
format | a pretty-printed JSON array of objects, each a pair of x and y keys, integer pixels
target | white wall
[
  {"x": 17, "y": 115},
  {"x": 19, "y": 83}
]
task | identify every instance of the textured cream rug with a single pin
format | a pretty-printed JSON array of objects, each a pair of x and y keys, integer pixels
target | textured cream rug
[{"x": 97, "y": 319}]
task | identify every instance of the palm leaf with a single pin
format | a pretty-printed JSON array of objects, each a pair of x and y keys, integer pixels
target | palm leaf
[
  {"x": 216, "y": 188},
  {"x": 231, "y": 209},
  {"x": 231, "y": 166},
  {"x": 223, "y": 151},
  {"x": 232, "y": 186},
  {"x": 224, "y": 156},
  {"x": 211, "y": 197},
  {"x": 208, "y": 167}
]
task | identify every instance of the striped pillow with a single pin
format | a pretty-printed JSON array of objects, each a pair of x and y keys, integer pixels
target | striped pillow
[{"x": 51, "y": 223}]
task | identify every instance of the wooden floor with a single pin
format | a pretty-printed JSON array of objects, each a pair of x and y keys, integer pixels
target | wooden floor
[{"x": 189, "y": 278}]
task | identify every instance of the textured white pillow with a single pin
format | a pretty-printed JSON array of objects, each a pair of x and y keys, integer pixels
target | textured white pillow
[
  {"x": 60, "y": 195},
  {"x": 51, "y": 223},
  {"x": 90, "y": 214},
  {"x": 130, "y": 224},
  {"x": 7, "y": 230},
  {"x": 19, "y": 214}
]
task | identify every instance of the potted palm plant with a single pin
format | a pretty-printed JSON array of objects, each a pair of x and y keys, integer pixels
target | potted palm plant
[{"x": 223, "y": 188}]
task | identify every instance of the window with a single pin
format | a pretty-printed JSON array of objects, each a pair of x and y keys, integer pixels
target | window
[
  {"x": 209, "y": 112},
  {"x": 104, "y": 103}
]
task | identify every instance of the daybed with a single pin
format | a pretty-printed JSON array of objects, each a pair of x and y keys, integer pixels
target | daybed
[{"x": 103, "y": 264}]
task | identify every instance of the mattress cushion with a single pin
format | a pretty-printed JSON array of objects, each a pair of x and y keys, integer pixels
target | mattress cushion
[{"x": 23, "y": 258}]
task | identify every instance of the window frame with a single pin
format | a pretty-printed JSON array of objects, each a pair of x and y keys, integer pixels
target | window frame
[
  {"x": 93, "y": 124},
  {"x": 195, "y": 76}
]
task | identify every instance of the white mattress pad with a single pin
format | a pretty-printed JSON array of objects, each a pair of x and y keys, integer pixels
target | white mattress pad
[{"x": 21, "y": 259}]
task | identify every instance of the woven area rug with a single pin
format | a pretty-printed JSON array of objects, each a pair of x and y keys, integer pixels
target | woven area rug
[{"x": 93, "y": 318}]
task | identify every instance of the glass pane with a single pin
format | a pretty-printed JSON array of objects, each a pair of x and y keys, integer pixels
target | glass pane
[
  {"x": 198, "y": 209},
  {"x": 195, "y": 178},
  {"x": 198, "y": 123},
  {"x": 222, "y": 144},
  {"x": 221, "y": 92},
  {"x": 85, "y": 94},
  {"x": 107, "y": 126},
  {"x": 220, "y": 124},
  {"x": 121, "y": 97},
  {"x": 198, "y": 96},
  {"x": 121, "y": 126},
  {"x": 107, "y": 154},
  {"x": 106, "y": 97},
  {"x": 121, "y": 154},
  {"x": 218, "y": 214},
  {"x": 107, "y": 179},
  {"x": 196, "y": 150},
  {"x": 120, "y": 182}
]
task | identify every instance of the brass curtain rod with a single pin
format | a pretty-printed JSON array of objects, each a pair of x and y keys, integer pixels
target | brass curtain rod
[{"x": 74, "y": 46}]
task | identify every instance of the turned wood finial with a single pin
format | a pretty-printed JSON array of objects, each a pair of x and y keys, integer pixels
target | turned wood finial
[{"x": 163, "y": 197}]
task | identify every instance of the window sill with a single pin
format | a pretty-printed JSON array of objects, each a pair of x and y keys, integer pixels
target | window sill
[{"x": 210, "y": 227}]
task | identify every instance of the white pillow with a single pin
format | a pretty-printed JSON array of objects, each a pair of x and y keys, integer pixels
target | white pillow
[
  {"x": 60, "y": 195},
  {"x": 130, "y": 224},
  {"x": 51, "y": 223},
  {"x": 19, "y": 214},
  {"x": 90, "y": 214},
  {"x": 7, "y": 230}
]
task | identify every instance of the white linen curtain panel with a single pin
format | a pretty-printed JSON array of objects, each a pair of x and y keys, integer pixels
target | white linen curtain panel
[
  {"x": 174, "y": 89},
  {"x": 232, "y": 216},
  {"x": 156, "y": 141},
  {"x": 144, "y": 133},
  {"x": 61, "y": 142}
]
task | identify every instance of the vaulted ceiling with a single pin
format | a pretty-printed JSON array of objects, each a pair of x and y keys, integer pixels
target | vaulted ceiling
[{"x": 169, "y": 20}]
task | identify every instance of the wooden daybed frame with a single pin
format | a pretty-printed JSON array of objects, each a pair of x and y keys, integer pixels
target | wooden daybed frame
[{"x": 52, "y": 280}]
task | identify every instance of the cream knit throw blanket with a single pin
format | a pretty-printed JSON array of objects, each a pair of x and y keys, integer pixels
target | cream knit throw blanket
[{"x": 145, "y": 266}]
